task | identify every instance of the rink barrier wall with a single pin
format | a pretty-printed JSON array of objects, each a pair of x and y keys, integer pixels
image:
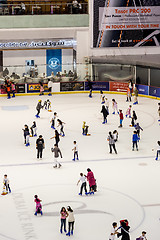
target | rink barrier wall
[{"x": 81, "y": 87}]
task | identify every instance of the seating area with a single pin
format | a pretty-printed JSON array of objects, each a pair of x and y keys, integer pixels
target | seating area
[
  {"x": 33, "y": 76},
  {"x": 43, "y": 7}
]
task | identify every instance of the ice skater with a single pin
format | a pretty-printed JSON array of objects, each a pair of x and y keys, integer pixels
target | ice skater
[
  {"x": 49, "y": 87},
  {"x": 56, "y": 151},
  {"x": 64, "y": 215},
  {"x": 83, "y": 127},
  {"x": 56, "y": 136},
  {"x": 90, "y": 88},
  {"x": 38, "y": 108},
  {"x": 124, "y": 230},
  {"x": 61, "y": 124},
  {"x": 91, "y": 180},
  {"x": 135, "y": 139},
  {"x": 6, "y": 184},
  {"x": 38, "y": 205},
  {"x": 135, "y": 91},
  {"x": 13, "y": 88},
  {"x": 121, "y": 118},
  {"x": 113, "y": 231},
  {"x": 138, "y": 128},
  {"x": 114, "y": 106},
  {"x": 134, "y": 119},
  {"x": 111, "y": 143},
  {"x": 128, "y": 112},
  {"x": 128, "y": 95},
  {"x": 45, "y": 105},
  {"x": 53, "y": 120},
  {"x": 40, "y": 146},
  {"x": 75, "y": 149},
  {"x": 41, "y": 88},
  {"x": 102, "y": 97},
  {"x": 82, "y": 179},
  {"x": 105, "y": 114},
  {"x": 159, "y": 111},
  {"x": 33, "y": 130},
  {"x": 26, "y": 135},
  {"x": 49, "y": 105},
  {"x": 115, "y": 135},
  {"x": 158, "y": 150},
  {"x": 71, "y": 221},
  {"x": 143, "y": 236},
  {"x": 107, "y": 104}
]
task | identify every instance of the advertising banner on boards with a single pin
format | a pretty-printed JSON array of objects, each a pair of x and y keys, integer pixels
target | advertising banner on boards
[
  {"x": 123, "y": 23},
  {"x": 35, "y": 87},
  {"x": 71, "y": 86},
  {"x": 118, "y": 86},
  {"x": 142, "y": 89},
  {"x": 154, "y": 91},
  {"x": 98, "y": 86}
]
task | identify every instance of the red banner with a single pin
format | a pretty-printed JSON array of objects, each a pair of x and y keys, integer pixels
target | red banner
[{"x": 118, "y": 87}]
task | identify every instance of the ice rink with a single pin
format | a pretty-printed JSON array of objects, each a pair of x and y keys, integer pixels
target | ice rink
[{"x": 128, "y": 183}]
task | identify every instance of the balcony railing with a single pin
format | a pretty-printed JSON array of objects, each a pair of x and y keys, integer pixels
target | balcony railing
[{"x": 40, "y": 8}]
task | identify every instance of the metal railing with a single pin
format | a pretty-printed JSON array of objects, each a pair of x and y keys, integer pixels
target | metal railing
[{"x": 42, "y": 8}]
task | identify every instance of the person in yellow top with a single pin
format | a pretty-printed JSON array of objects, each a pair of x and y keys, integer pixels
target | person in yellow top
[{"x": 83, "y": 127}]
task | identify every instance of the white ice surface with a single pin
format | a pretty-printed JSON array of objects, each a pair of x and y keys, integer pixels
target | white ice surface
[{"x": 128, "y": 183}]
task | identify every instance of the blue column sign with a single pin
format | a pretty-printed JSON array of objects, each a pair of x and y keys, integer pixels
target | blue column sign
[{"x": 53, "y": 61}]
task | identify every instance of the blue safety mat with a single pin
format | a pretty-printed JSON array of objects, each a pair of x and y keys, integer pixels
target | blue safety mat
[{"x": 15, "y": 108}]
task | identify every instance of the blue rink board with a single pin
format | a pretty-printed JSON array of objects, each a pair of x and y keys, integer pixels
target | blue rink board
[{"x": 15, "y": 108}]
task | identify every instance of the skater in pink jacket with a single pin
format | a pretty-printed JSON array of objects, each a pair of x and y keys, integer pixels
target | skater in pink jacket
[{"x": 91, "y": 180}]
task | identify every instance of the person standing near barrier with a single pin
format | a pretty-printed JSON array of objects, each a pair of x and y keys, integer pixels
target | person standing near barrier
[
  {"x": 135, "y": 91},
  {"x": 40, "y": 146},
  {"x": 49, "y": 87}
]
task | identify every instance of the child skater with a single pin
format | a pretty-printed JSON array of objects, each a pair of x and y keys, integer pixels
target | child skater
[
  {"x": 38, "y": 108},
  {"x": 33, "y": 130},
  {"x": 82, "y": 179},
  {"x": 158, "y": 149},
  {"x": 64, "y": 215},
  {"x": 49, "y": 105},
  {"x": 159, "y": 111},
  {"x": 53, "y": 120},
  {"x": 143, "y": 236},
  {"x": 61, "y": 124},
  {"x": 128, "y": 112},
  {"x": 135, "y": 140},
  {"x": 71, "y": 221},
  {"x": 26, "y": 135},
  {"x": 83, "y": 127},
  {"x": 105, "y": 114},
  {"x": 121, "y": 118},
  {"x": 75, "y": 149},
  {"x": 41, "y": 88},
  {"x": 138, "y": 128},
  {"x": 102, "y": 97},
  {"x": 45, "y": 105},
  {"x": 134, "y": 118},
  {"x": 128, "y": 95},
  {"x": 115, "y": 135},
  {"x": 13, "y": 88},
  {"x": 107, "y": 104},
  {"x": 38, "y": 205},
  {"x": 113, "y": 231},
  {"x": 6, "y": 183},
  {"x": 114, "y": 105}
]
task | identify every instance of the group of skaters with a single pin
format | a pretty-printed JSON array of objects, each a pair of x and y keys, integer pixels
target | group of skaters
[{"x": 123, "y": 231}]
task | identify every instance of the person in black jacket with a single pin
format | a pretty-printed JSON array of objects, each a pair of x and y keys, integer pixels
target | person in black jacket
[
  {"x": 56, "y": 136},
  {"x": 105, "y": 114},
  {"x": 90, "y": 88},
  {"x": 134, "y": 118},
  {"x": 124, "y": 230},
  {"x": 38, "y": 108},
  {"x": 40, "y": 146},
  {"x": 26, "y": 135}
]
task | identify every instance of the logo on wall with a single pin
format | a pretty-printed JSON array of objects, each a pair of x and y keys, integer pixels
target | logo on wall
[{"x": 54, "y": 63}]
